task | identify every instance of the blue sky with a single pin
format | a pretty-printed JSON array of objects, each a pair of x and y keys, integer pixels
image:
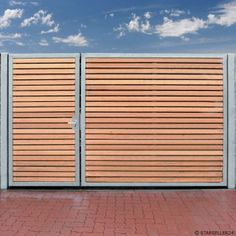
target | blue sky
[{"x": 117, "y": 26}]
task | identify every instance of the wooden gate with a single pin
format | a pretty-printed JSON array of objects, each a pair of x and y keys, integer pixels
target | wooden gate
[
  {"x": 43, "y": 113},
  {"x": 153, "y": 120}
]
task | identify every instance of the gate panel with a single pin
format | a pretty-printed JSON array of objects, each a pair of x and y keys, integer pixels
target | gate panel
[
  {"x": 44, "y": 109},
  {"x": 153, "y": 120}
]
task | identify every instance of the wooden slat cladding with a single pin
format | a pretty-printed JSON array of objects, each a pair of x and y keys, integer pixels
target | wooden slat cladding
[
  {"x": 154, "y": 120},
  {"x": 43, "y": 104}
]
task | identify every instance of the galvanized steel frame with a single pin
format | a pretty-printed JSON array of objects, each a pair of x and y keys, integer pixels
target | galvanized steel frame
[
  {"x": 226, "y": 176},
  {"x": 6, "y": 121},
  {"x": 4, "y": 124},
  {"x": 77, "y": 113},
  {"x": 231, "y": 120}
]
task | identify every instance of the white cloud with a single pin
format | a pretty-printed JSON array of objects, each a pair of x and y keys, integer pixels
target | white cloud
[
  {"x": 178, "y": 28},
  {"x": 43, "y": 42},
  {"x": 173, "y": 12},
  {"x": 120, "y": 30},
  {"x": 10, "y": 38},
  {"x": 133, "y": 25},
  {"x": 136, "y": 24},
  {"x": 5, "y": 37},
  {"x": 148, "y": 15},
  {"x": 20, "y": 43},
  {"x": 77, "y": 40},
  {"x": 225, "y": 14},
  {"x": 55, "y": 29},
  {"x": 145, "y": 27},
  {"x": 177, "y": 12},
  {"x": 22, "y": 3},
  {"x": 39, "y": 17},
  {"x": 83, "y": 26},
  {"x": 169, "y": 27},
  {"x": 109, "y": 15},
  {"x": 8, "y": 16}
]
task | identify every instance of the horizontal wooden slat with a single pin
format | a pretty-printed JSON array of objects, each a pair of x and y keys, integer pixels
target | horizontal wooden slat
[
  {"x": 45, "y": 88},
  {"x": 154, "y": 82},
  {"x": 153, "y": 152},
  {"x": 43, "y": 131},
  {"x": 43, "y": 158},
  {"x": 152, "y": 76},
  {"x": 44, "y": 109},
  {"x": 153, "y": 65},
  {"x": 154, "y": 180},
  {"x": 44, "y": 142},
  {"x": 147, "y": 131},
  {"x": 153, "y": 59},
  {"x": 152, "y": 163},
  {"x": 43, "y": 168},
  {"x": 153, "y": 174},
  {"x": 22, "y": 135},
  {"x": 144, "y": 147},
  {"x": 44, "y": 60},
  {"x": 152, "y": 71},
  {"x": 42, "y": 71},
  {"x": 44, "y": 147},
  {"x": 44, "y": 77},
  {"x": 42, "y": 114},
  {"x": 152, "y": 142},
  {"x": 138, "y": 109},
  {"x": 44, "y": 174},
  {"x": 44, "y": 93},
  {"x": 41, "y": 120},
  {"x": 154, "y": 93},
  {"x": 142, "y": 120},
  {"x": 44, "y": 179},
  {"x": 41, "y": 163},
  {"x": 47, "y": 104},
  {"x": 153, "y": 99},
  {"x": 44, "y": 66},
  {"x": 153, "y": 87},
  {"x": 44, "y": 82},
  {"x": 147, "y": 104},
  {"x": 141, "y": 168},
  {"x": 153, "y": 115},
  {"x": 41, "y": 126},
  {"x": 141, "y": 126},
  {"x": 190, "y": 158},
  {"x": 152, "y": 136},
  {"x": 44, "y": 99},
  {"x": 44, "y": 152}
]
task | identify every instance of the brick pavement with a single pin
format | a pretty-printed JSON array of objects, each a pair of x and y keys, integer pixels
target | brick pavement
[{"x": 117, "y": 212}]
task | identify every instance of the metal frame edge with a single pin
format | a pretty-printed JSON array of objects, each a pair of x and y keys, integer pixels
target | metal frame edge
[
  {"x": 10, "y": 91},
  {"x": 4, "y": 118},
  {"x": 224, "y": 183},
  {"x": 231, "y": 121}
]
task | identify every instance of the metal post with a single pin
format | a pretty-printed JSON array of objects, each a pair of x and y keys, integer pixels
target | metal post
[
  {"x": 4, "y": 118},
  {"x": 231, "y": 120}
]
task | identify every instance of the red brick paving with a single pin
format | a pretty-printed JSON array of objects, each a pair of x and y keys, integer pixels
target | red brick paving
[{"x": 117, "y": 213}]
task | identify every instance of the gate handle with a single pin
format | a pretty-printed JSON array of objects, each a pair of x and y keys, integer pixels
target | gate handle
[{"x": 73, "y": 122}]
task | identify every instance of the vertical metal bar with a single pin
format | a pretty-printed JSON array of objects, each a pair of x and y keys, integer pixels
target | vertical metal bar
[
  {"x": 77, "y": 112},
  {"x": 4, "y": 118},
  {"x": 225, "y": 114},
  {"x": 10, "y": 101},
  {"x": 231, "y": 120},
  {"x": 82, "y": 121}
]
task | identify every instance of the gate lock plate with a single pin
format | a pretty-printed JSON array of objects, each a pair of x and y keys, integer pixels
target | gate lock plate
[{"x": 73, "y": 122}]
